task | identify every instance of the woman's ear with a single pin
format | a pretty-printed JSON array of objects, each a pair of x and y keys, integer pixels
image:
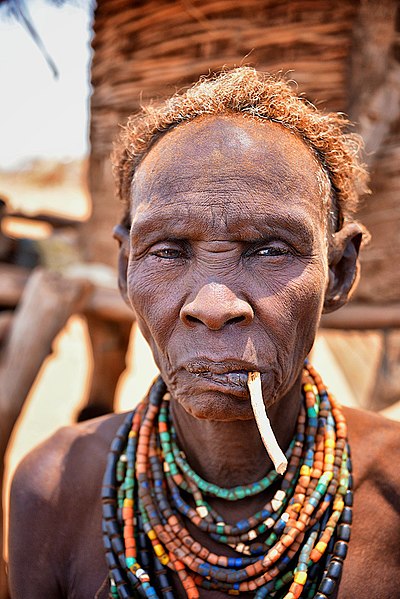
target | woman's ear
[
  {"x": 343, "y": 265},
  {"x": 121, "y": 234}
]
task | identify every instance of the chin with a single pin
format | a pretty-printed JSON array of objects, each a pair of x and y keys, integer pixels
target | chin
[{"x": 213, "y": 406}]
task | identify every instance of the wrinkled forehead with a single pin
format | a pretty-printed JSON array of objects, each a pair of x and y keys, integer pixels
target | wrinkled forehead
[{"x": 229, "y": 152}]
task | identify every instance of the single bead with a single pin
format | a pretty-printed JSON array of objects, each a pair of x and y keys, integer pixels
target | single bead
[
  {"x": 347, "y": 516},
  {"x": 327, "y": 586},
  {"x": 344, "y": 532},
  {"x": 340, "y": 549},
  {"x": 348, "y": 499},
  {"x": 335, "y": 569}
]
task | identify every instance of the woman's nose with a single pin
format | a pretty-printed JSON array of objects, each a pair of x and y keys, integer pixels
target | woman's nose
[{"x": 215, "y": 306}]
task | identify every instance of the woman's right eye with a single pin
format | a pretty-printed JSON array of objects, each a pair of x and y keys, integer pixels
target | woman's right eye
[{"x": 167, "y": 253}]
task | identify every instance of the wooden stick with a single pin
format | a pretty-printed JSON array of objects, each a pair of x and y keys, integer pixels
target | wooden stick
[
  {"x": 264, "y": 426},
  {"x": 104, "y": 302}
]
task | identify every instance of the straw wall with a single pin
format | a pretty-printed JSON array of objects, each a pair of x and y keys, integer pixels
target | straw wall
[{"x": 341, "y": 54}]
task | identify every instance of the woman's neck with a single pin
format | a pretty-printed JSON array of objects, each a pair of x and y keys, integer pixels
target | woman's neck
[{"x": 232, "y": 453}]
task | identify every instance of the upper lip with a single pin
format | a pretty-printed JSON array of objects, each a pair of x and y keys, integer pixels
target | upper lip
[{"x": 219, "y": 366}]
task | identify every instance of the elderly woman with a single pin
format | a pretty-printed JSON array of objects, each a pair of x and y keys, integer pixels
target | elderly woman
[{"x": 238, "y": 233}]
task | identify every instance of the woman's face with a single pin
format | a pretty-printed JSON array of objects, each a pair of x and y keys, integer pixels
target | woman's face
[{"x": 228, "y": 260}]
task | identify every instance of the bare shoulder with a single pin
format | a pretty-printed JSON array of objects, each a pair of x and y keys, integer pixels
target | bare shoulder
[
  {"x": 374, "y": 549},
  {"x": 375, "y": 449},
  {"x": 68, "y": 457},
  {"x": 55, "y": 511}
]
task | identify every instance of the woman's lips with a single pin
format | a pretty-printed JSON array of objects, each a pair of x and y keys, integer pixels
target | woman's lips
[
  {"x": 235, "y": 378},
  {"x": 232, "y": 383},
  {"x": 227, "y": 375}
]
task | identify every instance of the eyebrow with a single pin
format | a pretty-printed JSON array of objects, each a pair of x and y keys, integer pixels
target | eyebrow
[{"x": 152, "y": 227}]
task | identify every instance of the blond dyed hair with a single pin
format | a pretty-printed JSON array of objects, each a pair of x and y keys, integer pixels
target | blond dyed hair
[{"x": 260, "y": 95}]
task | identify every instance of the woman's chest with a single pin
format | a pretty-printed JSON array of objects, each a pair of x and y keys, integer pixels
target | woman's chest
[{"x": 370, "y": 568}]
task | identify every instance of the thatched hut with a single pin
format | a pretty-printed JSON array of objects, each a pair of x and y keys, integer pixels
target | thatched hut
[{"x": 345, "y": 55}]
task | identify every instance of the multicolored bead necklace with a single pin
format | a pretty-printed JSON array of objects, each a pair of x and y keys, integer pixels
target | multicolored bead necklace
[{"x": 293, "y": 547}]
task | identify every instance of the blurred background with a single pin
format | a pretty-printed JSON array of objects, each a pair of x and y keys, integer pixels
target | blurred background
[{"x": 70, "y": 72}]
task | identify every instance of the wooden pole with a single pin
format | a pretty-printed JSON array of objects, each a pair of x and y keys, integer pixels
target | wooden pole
[
  {"x": 103, "y": 301},
  {"x": 109, "y": 341},
  {"x": 362, "y": 317},
  {"x": 107, "y": 303}
]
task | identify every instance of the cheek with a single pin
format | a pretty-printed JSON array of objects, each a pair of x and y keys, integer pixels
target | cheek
[
  {"x": 156, "y": 305},
  {"x": 308, "y": 309},
  {"x": 293, "y": 307},
  {"x": 306, "y": 293},
  {"x": 290, "y": 318}
]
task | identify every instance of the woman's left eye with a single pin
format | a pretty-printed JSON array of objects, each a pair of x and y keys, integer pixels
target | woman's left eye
[
  {"x": 273, "y": 251},
  {"x": 168, "y": 253}
]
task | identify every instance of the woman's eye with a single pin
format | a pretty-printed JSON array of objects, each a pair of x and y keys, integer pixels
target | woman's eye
[
  {"x": 273, "y": 251},
  {"x": 167, "y": 253}
]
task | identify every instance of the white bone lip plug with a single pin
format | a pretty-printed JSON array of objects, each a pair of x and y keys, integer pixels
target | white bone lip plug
[{"x": 264, "y": 426}]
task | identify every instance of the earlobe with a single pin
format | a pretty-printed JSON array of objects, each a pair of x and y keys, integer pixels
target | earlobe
[
  {"x": 343, "y": 266},
  {"x": 121, "y": 234}
]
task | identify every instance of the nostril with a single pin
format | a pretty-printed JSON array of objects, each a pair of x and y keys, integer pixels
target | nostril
[
  {"x": 236, "y": 319},
  {"x": 192, "y": 319},
  {"x": 213, "y": 323}
]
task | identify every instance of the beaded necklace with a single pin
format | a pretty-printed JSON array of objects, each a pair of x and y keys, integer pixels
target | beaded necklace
[{"x": 293, "y": 547}]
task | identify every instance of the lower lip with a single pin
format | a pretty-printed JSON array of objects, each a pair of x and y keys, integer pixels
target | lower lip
[{"x": 224, "y": 383}]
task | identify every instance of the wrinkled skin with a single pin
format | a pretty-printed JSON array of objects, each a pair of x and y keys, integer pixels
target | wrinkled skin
[
  {"x": 241, "y": 260},
  {"x": 228, "y": 265},
  {"x": 227, "y": 268}
]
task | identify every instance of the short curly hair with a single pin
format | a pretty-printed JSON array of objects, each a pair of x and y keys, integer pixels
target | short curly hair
[{"x": 262, "y": 96}]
